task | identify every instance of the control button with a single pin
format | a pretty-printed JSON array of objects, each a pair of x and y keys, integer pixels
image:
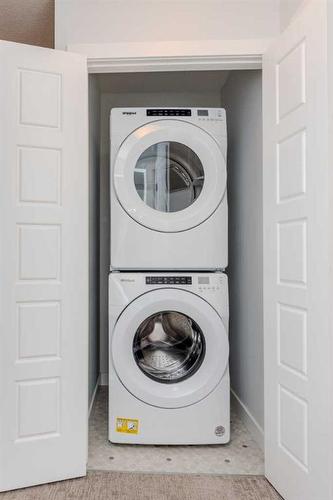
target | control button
[
  {"x": 169, "y": 112},
  {"x": 168, "y": 280}
]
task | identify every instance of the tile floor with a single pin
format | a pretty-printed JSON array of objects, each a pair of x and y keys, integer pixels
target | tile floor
[{"x": 241, "y": 456}]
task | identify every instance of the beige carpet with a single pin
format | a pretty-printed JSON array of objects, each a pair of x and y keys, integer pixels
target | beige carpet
[{"x": 133, "y": 486}]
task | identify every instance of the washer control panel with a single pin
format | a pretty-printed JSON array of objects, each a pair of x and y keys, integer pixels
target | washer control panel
[
  {"x": 168, "y": 280},
  {"x": 203, "y": 283},
  {"x": 210, "y": 283}
]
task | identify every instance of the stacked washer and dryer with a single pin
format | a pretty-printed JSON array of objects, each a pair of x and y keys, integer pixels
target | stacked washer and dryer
[{"x": 168, "y": 295}]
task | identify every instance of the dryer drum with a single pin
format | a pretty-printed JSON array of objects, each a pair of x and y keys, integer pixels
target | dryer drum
[
  {"x": 169, "y": 176},
  {"x": 169, "y": 347}
]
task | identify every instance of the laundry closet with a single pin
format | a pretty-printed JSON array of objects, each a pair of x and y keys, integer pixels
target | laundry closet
[
  {"x": 240, "y": 94},
  {"x": 55, "y": 222}
]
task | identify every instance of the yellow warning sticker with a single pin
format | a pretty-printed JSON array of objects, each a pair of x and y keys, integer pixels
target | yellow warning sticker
[{"x": 127, "y": 425}]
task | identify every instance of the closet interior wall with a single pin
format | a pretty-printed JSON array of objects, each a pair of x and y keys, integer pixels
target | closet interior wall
[
  {"x": 240, "y": 93},
  {"x": 94, "y": 235},
  {"x": 242, "y": 99}
]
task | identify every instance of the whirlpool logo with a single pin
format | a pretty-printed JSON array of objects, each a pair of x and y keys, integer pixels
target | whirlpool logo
[
  {"x": 129, "y": 113},
  {"x": 128, "y": 280}
]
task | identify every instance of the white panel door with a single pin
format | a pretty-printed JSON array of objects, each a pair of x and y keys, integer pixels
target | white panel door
[
  {"x": 43, "y": 265},
  {"x": 297, "y": 253}
]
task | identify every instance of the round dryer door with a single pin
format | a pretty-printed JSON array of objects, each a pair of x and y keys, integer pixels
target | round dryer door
[
  {"x": 170, "y": 348},
  {"x": 170, "y": 175}
]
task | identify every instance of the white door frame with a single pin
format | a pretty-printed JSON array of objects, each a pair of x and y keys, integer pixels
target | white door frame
[{"x": 173, "y": 56}]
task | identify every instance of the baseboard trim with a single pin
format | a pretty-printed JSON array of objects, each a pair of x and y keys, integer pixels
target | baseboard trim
[
  {"x": 104, "y": 379},
  {"x": 248, "y": 419},
  {"x": 94, "y": 394}
]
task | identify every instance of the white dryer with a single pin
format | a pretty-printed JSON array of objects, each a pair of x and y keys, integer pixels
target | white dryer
[
  {"x": 169, "y": 370},
  {"x": 168, "y": 189}
]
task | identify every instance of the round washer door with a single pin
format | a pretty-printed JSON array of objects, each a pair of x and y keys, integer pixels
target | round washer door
[
  {"x": 169, "y": 175},
  {"x": 169, "y": 348}
]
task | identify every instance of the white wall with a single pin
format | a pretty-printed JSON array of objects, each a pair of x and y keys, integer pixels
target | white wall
[
  {"x": 287, "y": 10},
  {"x": 94, "y": 144},
  {"x": 168, "y": 89},
  {"x": 100, "y": 21},
  {"x": 241, "y": 97}
]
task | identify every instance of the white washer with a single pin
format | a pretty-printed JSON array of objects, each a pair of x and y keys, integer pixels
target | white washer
[
  {"x": 169, "y": 370},
  {"x": 168, "y": 189}
]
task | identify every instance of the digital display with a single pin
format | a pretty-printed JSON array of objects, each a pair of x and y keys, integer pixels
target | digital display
[
  {"x": 168, "y": 280},
  {"x": 202, "y": 112},
  {"x": 203, "y": 280}
]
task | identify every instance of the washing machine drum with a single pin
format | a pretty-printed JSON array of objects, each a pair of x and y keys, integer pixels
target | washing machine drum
[
  {"x": 170, "y": 348},
  {"x": 170, "y": 175}
]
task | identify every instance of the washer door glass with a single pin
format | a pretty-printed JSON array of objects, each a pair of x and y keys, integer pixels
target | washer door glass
[
  {"x": 169, "y": 347},
  {"x": 169, "y": 176}
]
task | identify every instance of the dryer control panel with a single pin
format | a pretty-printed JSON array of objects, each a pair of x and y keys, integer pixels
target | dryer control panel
[
  {"x": 169, "y": 112},
  {"x": 211, "y": 114}
]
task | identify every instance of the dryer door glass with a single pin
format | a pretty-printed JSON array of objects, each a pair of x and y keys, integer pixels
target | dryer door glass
[
  {"x": 169, "y": 346},
  {"x": 169, "y": 176}
]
